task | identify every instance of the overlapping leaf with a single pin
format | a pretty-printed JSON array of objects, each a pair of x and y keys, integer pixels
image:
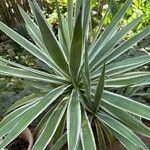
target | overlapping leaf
[
  {"x": 122, "y": 130},
  {"x": 73, "y": 120},
  {"x": 50, "y": 41},
  {"x": 31, "y": 114}
]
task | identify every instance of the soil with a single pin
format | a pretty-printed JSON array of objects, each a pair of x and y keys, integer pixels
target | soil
[{"x": 18, "y": 144}]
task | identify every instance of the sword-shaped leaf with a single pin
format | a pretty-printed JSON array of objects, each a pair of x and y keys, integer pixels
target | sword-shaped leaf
[
  {"x": 21, "y": 73},
  {"x": 110, "y": 30},
  {"x": 29, "y": 46},
  {"x": 66, "y": 50},
  {"x": 108, "y": 47},
  {"x": 73, "y": 120},
  {"x": 50, "y": 127},
  {"x": 9, "y": 122},
  {"x": 121, "y": 129},
  {"x": 70, "y": 17},
  {"x": 87, "y": 137},
  {"x": 87, "y": 12},
  {"x": 125, "y": 142},
  {"x": 33, "y": 113},
  {"x": 99, "y": 91},
  {"x": 126, "y": 45},
  {"x": 33, "y": 30},
  {"x": 51, "y": 43},
  {"x": 122, "y": 66},
  {"x": 113, "y": 7},
  {"x": 127, "y": 119},
  {"x": 127, "y": 104},
  {"x": 76, "y": 50},
  {"x": 135, "y": 81},
  {"x": 40, "y": 126},
  {"x": 79, "y": 145},
  {"x": 35, "y": 71},
  {"x": 26, "y": 100},
  {"x": 100, "y": 136}
]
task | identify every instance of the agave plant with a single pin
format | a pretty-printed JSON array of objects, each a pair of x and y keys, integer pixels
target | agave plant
[{"x": 78, "y": 106}]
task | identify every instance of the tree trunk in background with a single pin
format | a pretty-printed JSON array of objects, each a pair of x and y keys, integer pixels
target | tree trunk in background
[{"x": 9, "y": 12}]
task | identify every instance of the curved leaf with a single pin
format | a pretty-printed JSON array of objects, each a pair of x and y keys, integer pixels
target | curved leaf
[
  {"x": 50, "y": 127},
  {"x": 127, "y": 119},
  {"x": 110, "y": 30},
  {"x": 108, "y": 47},
  {"x": 29, "y": 46},
  {"x": 122, "y": 130},
  {"x": 127, "y": 104},
  {"x": 125, "y": 142},
  {"x": 31, "y": 114},
  {"x": 50, "y": 41},
  {"x": 26, "y": 100}
]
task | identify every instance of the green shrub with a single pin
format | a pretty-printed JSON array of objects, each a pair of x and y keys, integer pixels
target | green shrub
[
  {"x": 80, "y": 107},
  {"x": 138, "y": 7}
]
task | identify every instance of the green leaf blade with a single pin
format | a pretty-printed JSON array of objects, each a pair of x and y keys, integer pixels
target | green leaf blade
[
  {"x": 107, "y": 48},
  {"x": 66, "y": 48},
  {"x": 70, "y": 16},
  {"x": 33, "y": 30},
  {"x": 34, "y": 50},
  {"x": 87, "y": 137},
  {"x": 73, "y": 120},
  {"x": 32, "y": 113},
  {"x": 60, "y": 143},
  {"x": 100, "y": 136},
  {"x": 126, "y": 45},
  {"x": 76, "y": 50},
  {"x": 121, "y": 129},
  {"x": 50, "y": 127},
  {"x": 26, "y": 100},
  {"x": 128, "y": 119},
  {"x": 109, "y": 30},
  {"x": 127, "y": 104},
  {"x": 51, "y": 43},
  {"x": 125, "y": 142},
  {"x": 99, "y": 90}
]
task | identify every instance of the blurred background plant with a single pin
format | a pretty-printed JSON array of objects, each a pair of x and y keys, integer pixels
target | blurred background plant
[{"x": 139, "y": 7}]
